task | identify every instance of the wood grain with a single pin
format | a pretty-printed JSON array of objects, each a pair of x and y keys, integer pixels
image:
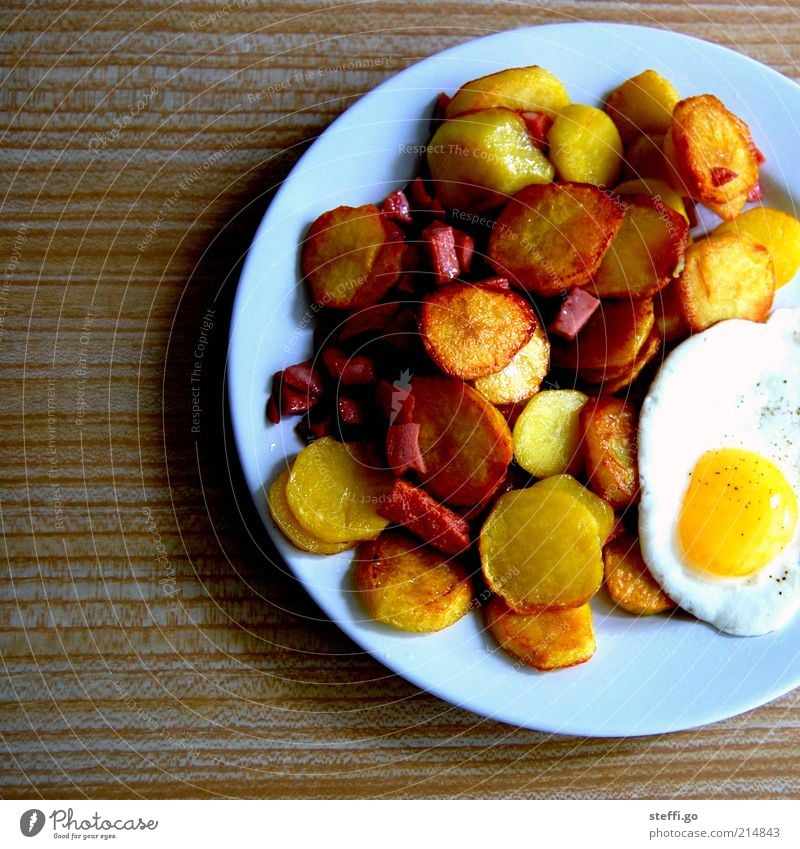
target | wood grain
[{"x": 152, "y": 645}]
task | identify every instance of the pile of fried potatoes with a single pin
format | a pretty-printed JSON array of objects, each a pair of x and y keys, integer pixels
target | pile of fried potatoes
[{"x": 485, "y": 337}]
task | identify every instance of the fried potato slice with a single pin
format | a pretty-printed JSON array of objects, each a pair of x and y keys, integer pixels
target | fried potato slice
[
  {"x": 585, "y": 146},
  {"x": 613, "y": 379},
  {"x": 642, "y": 105},
  {"x": 540, "y": 550},
  {"x": 669, "y": 321},
  {"x": 551, "y": 238},
  {"x": 522, "y": 377},
  {"x": 645, "y": 159},
  {"x": 352, "y": 256},
  {"x": 550, "y": 639},
  {"x": 602, "y": 512},
  {"x": 464, "y": 440},
  {"x": 406, "y": 584},
  {"x": 526, "y": 89},
  {"x": 471, "y": 331},
  {"x": 713, "y": 154},
  {"x": 609, "y": 429},
  {"x": 778, "y": 231},
  {"x": 656, "y": 188},
  {"x": 333, "y": 491},
  {"x": 286, "y": 521},
  {"x": 612, "y": 337},
  {"x": 725, "y": 276},
  {"x": 547, "y": 438},
  {"x": 479, "y": 159},
  {"x": 628, "y": 580},
  {"x": 646, "y": 252}
]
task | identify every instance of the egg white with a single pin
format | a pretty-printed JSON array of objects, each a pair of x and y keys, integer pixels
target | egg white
[{"x": 736, "y": 385}]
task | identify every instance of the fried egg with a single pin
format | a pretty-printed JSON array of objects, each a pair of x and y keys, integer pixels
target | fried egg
[{"x": 719, "y": 466}]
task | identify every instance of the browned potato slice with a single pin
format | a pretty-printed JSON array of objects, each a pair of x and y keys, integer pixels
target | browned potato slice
[
  {"x": 656, "y": 188},
  {"x": 352, "y": 256},
  {"x": 540, "y": 550},
  {"x": 547, "y": 438},
  {"x": 585, "y": 146},
  {"x": 333, "y": 491},
  {"x": 628, "y": 580},
  {"x": 725, "y": 276},
  {"x": 528, "y": 89},
  {"x": 613, "y": 379},
  {"x": 551, "y": 238},
  {"x": 410, "y": 586},
  {"x": 713, "y": 154},
  {"x": 610, "y": 438},
  {"x": 645, "y": 159},
  {"x": 612, "y": 337},
  {"x": 642, "y": 104},
  {"x": 646, "y": 252},
  {"x": 551, "y": 639},
  {"x": 479, "y": 159},
  {"x": 471, "y": 332},
  {"x": 602, "y": 512},
  {"x": 464, "y": 440},
  {"x": 777, "y": 231},
  {"x": 287, "y": 522},
  {"x": 670, "y": 323},
  {"x": 522, "y": 377}
]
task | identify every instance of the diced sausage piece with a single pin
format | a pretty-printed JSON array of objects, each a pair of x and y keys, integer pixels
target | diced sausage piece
[
  {"x": 293, "y": 402},
  {"x": 577, "y": 309},
  {"x": 273, "y": 413},
  {"x": 397, "y": 207},
  {"x": 538, "y": 125},
  {"x": 441, "y": 246},
  {"x": 350, "y": 411},
  {"x": 305, "y": 378},
  {"x": 465, "y": 249},
  {"x": 425, "y": 517},
  {"x": 402, "y": 449},
  {"x": 350, "y": 371}
]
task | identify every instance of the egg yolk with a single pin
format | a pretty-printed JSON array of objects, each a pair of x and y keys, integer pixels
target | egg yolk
[{"x": 737, "y": 514}]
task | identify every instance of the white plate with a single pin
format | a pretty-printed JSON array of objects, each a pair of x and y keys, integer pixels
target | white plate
[{"x": 649, "y": 675}]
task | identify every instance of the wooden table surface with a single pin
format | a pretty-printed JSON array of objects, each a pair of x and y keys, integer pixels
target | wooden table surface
[{"x": 150, "y": 645}]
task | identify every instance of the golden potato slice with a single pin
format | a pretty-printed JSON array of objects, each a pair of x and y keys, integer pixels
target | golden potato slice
[
  {"x": 585, "y": 146},
  {"x": 609, "y": 430},
  {"x": 713, "y": 154},
  {"x": 613, "y": 379},
  {"x": 540, "y": 550},
  {"x": 551, "y": 238},
  {"x": 646, "y": 252},
  {"x": 333, "y": 490},
  {"x": 352, "y": 256},
  {"x": 464, "y": 440},
  {"x": 528, "y": 89},
  {"x": 410, "y": 586},
  {"x": 645, "y": 159},
  {"x": 602, "y": 512},
  {"x": 612, "y": 337},
  {"x": 725, "y": 276},
  {"x": 479, "y": 159},
  {"x": 286, "y": 521},
  {"x": 656, "y": 188},
  {"x": 522, "y": 377},
  {"x": 547, "y": 438},
  {"x": 642, "y": 105},
  {"x": 628, "y": 580},
  {"x": 550, "y": 639},
  {"x": 778, "y": 231},
  {"x": 669, "y": 321},
  {"x": 470, "y": 331}
]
